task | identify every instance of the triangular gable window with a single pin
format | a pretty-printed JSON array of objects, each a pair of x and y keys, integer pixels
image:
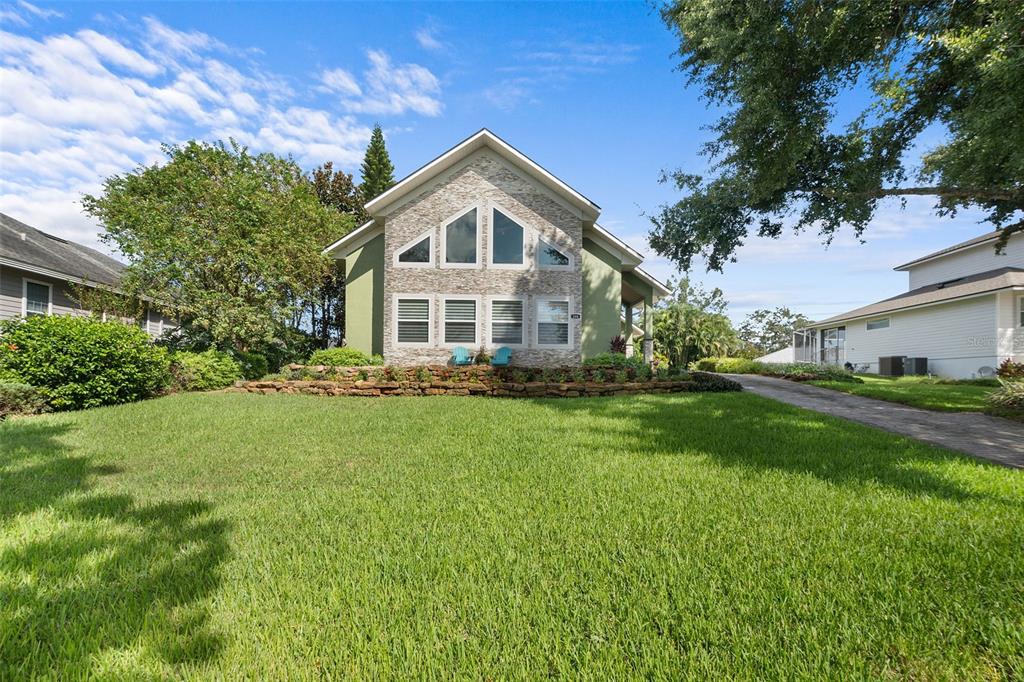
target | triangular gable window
[
  {"x": 418, "y": 252},
  {"x": 548, "y": 256}
]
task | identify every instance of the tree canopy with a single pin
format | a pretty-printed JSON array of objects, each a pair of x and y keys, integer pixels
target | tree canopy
[
  {"x": 767, "y": 330},
  {"x": 219, "y": 238},
  {"x": 780, "y": 154},
  {"x": 691, "y": 324},
  {"x": 377, "y": 170}
]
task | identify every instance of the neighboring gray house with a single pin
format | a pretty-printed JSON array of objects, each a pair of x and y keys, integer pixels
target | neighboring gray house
[
  {"x": 964, "y": 312},
  {"x": 37, "y": 271}
]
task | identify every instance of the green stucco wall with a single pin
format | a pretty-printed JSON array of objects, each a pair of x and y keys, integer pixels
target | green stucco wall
[
  {"x": 602, "y": 298},
  {"x": 364, "y": 297}
]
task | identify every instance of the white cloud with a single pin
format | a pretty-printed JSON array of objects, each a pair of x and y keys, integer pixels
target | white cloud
[
  {"x": 396, "y": 88},
  {"x": 428, "y": 40},
  {"x": 83, "y": 106},
  {"x": 39, "y": 11},
  {"x": 551, "y": 66},
  {"x": 341, "y": 82}
]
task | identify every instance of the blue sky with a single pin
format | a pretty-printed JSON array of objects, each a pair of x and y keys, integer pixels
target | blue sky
[{"x": 589, "y": 91}]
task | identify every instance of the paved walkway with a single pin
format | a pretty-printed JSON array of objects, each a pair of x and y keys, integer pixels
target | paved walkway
[{"x": 980, "y": 435}]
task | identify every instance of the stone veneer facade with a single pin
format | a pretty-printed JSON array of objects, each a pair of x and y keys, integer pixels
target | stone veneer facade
[{"x": 483, "y": 180}]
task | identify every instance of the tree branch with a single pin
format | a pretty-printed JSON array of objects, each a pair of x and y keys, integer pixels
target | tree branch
[{"x": 952, "y": 192}]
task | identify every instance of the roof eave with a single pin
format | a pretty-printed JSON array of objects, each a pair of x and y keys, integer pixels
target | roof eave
[{"x": 484, "y": 138}]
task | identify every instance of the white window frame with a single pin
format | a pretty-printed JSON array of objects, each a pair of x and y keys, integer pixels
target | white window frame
[
  {"x": 24, "y": 295},
  {"x": 429, "y": 234},
  {"x": 489, "y": 326},
  {"x": 529, "y": 240},
  {"x": 558, "y": 245},
  {"x": 536, "y": 322},
  {"x": 443, "y": 342},
  {"x": 887, "y": 320},
  {"x": 430, "y": 321},
  {"x": 443, "y": 252},
  {"x": 1020, "y": 311}
]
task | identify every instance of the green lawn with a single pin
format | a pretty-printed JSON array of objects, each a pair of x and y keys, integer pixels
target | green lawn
[
  {"x": 918, "y": 392},
  {"x": 702, "y": 535}
]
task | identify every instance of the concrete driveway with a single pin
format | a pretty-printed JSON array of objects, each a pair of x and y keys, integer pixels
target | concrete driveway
[{"x": 991, "y": 438}]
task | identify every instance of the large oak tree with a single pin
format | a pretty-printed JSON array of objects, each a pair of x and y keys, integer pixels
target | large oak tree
[{"x": 780, "y": 156}]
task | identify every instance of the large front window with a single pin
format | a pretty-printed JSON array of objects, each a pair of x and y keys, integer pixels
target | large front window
[
  {"x": 553, "y": 322},
  {"x": 460, "y": 240},
  {"x": 460, "y": 321},
  {"x": 412, "y": 320},
  {"x": 507, "y": 322},
  {"x": 507, "y": 240}
]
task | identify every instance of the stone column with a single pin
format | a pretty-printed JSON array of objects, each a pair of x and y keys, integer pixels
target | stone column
[
  {"x": 648, "y": 333},
  {"x": 628, "y": 332}
]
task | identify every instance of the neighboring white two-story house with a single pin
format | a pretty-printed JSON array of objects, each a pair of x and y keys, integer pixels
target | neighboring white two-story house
[
  {"x": 964, "y": 312},
  {"x": 483, "y": 248}
]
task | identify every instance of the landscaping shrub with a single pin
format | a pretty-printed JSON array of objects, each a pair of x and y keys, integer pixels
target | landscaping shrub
[
  {"x": 18, "y": 398},
  {"x": 482, "y": 357},
  {"x": 1009, "y": 397},
  {"x": 81, "y": 362},
  {"x": 204, "y": 371},
  {"x": 253, "y": 365},
  {"x": 1009, "y": 369},
  {"x": 613, "y": 360},
  {"x": 714, "y": 383},
  {"x": 794, "y": 371},
  {"x": 343, "y": 356},
  {"x": 618, "y": 344}
]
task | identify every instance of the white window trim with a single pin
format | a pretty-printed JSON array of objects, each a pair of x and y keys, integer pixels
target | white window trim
[
  {"x": 429, "y": 234},
  {"x": 529, "y": 241},
  {"x": 430, "y": 321},
  {"x": 443, "y": 252},
  {"x": 477, "y": 336},
  {"x": 877, "y": 319},
  {"x": 489, "y": 330},
  {"x": 536, "y": 322},
  {"x": 1020, "y": 312},
  {"x": 558, "y": 245},
  {"x": 24, "y": 295}
]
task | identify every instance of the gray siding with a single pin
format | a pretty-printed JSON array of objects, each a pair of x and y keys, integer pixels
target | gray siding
[{"x": 12, "y": 293}]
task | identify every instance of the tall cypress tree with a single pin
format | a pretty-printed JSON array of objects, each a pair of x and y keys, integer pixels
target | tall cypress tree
[{"x": 377, "y": 169}]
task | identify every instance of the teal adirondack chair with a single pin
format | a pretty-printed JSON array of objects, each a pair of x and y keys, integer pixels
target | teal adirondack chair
[
  {"x": 502, "y": 357},
  {"x": 461, "y": 356}
]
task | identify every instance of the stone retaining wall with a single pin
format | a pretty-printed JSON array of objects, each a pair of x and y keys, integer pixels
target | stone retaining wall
[
  {"x": 532, "y": 389},
  {"x": 481, "y": 381}
]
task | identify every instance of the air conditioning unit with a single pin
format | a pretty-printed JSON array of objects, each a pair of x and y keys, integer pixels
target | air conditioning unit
[
  {"x": 915, "y": 366},
  {"x": 891, "y": 365}
]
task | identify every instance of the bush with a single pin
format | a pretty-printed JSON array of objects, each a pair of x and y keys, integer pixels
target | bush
[
  {"x": 18, "y": 398},
  {"x": 713, "y": 383},
  {"x": 81, "y": 362},
  {"x": 204, "y": 371},
  {"x": 1009, "y": 397},
  {"x": 728, "y": 365},
  {"x": 1008, "y": 369},
  {"x": 343, "y": 357},
  {"x": 252, "y": 365},
  {"x": 614, "y": 360},
  {"x": 618, "y": 344}
]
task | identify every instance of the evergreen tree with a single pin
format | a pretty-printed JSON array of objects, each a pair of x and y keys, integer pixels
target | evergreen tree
[{"x": 377, "y": 169}]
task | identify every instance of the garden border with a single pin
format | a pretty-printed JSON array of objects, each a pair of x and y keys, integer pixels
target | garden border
[{"x": 470, "y": 381}]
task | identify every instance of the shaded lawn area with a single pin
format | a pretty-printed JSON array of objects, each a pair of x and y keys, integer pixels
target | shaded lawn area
[
  {"x": 917, "y": 392},
  {"x": 704, "y": 535}
]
